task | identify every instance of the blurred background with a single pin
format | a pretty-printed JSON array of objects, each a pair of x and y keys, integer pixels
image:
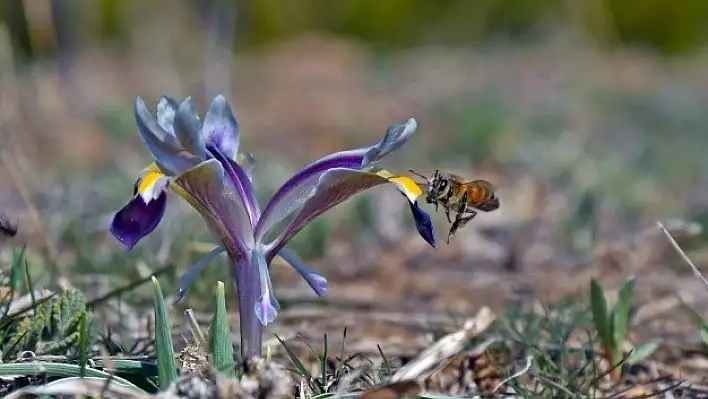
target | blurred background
[{"x": 590, "y": 117}]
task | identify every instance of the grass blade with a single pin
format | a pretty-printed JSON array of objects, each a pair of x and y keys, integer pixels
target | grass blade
[
  {"x": 83, "y": 345},
  {"x": 643, "y": 351},
  {"x": 302, "y": 370},
  {"x": 220, "y": 336},
  {"x": 600, "y": 314},
  {"x": 621, "y": 313},
  {"x": 166, "y": 370}
]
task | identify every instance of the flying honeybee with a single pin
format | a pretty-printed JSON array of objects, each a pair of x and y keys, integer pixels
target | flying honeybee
[{"x": 463, "y": 197}]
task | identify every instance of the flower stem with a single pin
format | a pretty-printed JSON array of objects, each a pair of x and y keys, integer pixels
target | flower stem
[{"x": 247, "y": 284}]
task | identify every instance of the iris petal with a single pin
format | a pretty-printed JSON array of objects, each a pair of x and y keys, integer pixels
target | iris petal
[
  {"x": 193, "y": 271},
  {"x": 220, "y": 127},
  {"x": 187, "y": 127},
  {"x": 396, "y": 135},
  {"x": 316, "y": 281},
  {"x": 166, "y": 110},
  {"x": 266, "y": 306},
  {"x": 240, "y": 182},
  {"x": 138, "y": 219},
  {"x": 293, "y": 194},
  {"x": 163, "y": 147},
  {"x": 335, "y": 186},
  {"x": 219, "y": 203}
]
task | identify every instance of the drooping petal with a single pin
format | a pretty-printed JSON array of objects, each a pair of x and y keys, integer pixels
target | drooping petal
[
  {"x": 216, "y": 199},
  {"x": 187, "y": 128},
  {"x": 166, "y": 110},
  {"x": 193, "y": 271},
  {"x": 266, "y": 306},
  {"x": 137, "y": 219},
  {"x": 315, "y": 280},
  {"x": 164, "y": 147},
  {"x": 396, "y": 135},
  {"x": 241, "y": 182},
  {"x": 221, "y": 128},
  {"x": 336, "y": 186},
  {"x": 295, "y": 192}
]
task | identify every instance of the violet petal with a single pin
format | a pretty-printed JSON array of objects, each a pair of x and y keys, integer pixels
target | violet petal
[
  {"x": 220, "y": 204},
  {"x": 138, "y": 219},
  {"x": 335, "y": 186}
]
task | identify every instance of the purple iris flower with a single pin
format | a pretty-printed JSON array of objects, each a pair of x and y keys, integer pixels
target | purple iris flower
[{"x": 198, "y": 161}]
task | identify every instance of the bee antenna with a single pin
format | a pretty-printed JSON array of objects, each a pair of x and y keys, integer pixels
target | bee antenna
[{"x": 427, "y": 180}]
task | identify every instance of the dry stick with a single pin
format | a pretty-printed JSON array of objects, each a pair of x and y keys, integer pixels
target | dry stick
[
  {"x": 527, "y": 367},
  {"x": 682, "y": 254},
  {"x": 447, "y": 346}
]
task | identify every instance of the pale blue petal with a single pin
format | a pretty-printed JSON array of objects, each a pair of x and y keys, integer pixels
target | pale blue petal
[
  {"x": 396, "y": 135},
  {"x": 315, "y": 280},
  {"x": 266, "y": 306},
  {"x": 162, "y": 146},
  {"x": 221, "y": 128},
  {"x": 187, "y": 127},
  {"x": 193, "y": 271},
  {"x": 166, "y": 110}
]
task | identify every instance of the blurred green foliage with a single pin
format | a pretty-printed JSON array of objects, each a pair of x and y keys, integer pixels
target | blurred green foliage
[{"x": 658, "y": 24}]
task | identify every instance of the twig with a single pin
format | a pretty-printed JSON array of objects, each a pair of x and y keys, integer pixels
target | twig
[
  {"x": 447, "y": 346},
  {"x": 529, "y": 360},
  {"x": 682, "y": 254}
]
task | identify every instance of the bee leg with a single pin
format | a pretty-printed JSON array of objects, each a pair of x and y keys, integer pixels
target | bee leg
[
  {"x": 447, "y": 213},
  {"x": 464, "y": 220}
]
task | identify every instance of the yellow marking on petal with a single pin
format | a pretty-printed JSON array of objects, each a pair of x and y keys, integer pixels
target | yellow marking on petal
[
  {"x": 384, "y": 173},
  {"x": 407, "y": 187},
  {"x": 147, "y": 183}
]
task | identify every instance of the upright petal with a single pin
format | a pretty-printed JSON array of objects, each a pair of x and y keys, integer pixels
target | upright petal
[
  {"x": 220, "y": 127},
  {"x": 336, "y": 186},
  {"x": 216, "y": 199},
  {"x": 137, "y": 219},
  {"x": 296, "y": 191},
  {"x": 166, "y": 110},
  {"x": 187, "y": 128},
  {"x": 164, "y": 147}
]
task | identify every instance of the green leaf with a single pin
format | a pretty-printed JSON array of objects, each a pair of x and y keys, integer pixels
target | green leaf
[
  {"x": 220, "y": 336},
  {"x": 643, "y": 351},
  {"x": 620, "y": 313},
  {"x": 166, "y": 370},
  {"x": 600, "y": 315}
]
